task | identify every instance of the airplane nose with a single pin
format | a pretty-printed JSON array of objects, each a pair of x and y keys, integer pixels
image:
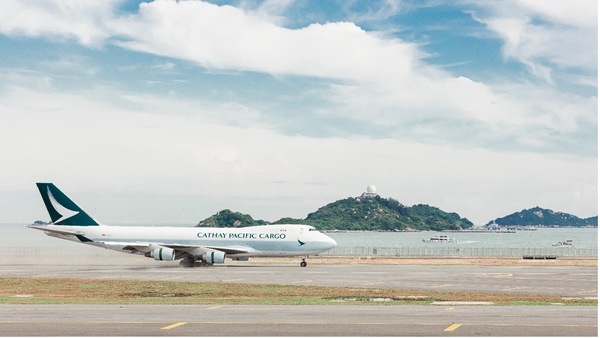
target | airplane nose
[{"x": 331, "y": 243}]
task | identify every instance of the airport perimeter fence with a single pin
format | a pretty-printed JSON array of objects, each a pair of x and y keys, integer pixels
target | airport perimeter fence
[
  {"x": 404, "y": 251},
  {"x": 460, "y": 252}
]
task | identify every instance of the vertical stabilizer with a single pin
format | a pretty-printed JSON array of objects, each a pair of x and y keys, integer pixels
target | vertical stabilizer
[{"x": 62, "y": 210}]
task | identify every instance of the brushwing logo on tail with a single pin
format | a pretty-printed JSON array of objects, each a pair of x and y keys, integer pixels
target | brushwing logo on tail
[{"x": 59, "y": 208}]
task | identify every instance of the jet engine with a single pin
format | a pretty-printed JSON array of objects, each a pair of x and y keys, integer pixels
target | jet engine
[
  {"x": 163, "y": 254},
  {"x": 212, "y": 257}
]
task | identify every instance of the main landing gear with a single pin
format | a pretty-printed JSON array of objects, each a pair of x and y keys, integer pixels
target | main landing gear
[
  {"x": 303, "y": 263},
  {"x": 192, "y": 262},
  {"x": 188, "y": 262}
]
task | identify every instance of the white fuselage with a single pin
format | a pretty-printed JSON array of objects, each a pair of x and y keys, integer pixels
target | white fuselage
[{"x": 269, "y": 240}]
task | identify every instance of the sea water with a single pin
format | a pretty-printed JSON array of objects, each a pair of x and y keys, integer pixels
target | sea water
[
  {"x": 584, "y": 238},
  {"x": 18, "y": 240}
]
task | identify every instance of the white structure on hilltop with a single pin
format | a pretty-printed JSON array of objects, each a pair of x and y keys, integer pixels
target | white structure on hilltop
[{"x": 371, "y": 192}]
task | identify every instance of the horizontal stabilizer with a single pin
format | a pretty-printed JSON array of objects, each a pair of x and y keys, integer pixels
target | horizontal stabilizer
[{"x": 54, "y": 231}]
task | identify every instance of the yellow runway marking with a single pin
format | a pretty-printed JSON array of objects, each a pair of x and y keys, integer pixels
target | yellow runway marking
[
  {"x": 233, "y": 280},
  {"x": 495, "y": 275},
  {"x": 450, "y": 308},
  {"x": 452, "y": 327},
  {"x": 501, "y": 275},
  {"x": 215, "y": 307},
  {"x": 172, "y": 326},
  {"x": 442, "y": 285},
  {"x": 515, "y": 288}
]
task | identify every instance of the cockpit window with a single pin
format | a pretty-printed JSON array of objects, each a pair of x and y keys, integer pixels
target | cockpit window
[{"x": 312, "y": 229}]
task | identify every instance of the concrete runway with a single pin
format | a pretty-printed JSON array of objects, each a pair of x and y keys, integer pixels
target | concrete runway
[
  {"x": 269, "y": 320},
  {"x": 571, "y": 281}
]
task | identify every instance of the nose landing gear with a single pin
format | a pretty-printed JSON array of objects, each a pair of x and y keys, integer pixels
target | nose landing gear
[{"x": 303, "y": 263}]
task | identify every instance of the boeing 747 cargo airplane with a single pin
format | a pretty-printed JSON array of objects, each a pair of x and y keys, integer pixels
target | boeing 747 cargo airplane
[{"x": 194, "y": 246}]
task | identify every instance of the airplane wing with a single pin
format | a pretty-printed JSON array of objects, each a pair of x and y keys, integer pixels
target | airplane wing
[{"x": 194, "y": 250}]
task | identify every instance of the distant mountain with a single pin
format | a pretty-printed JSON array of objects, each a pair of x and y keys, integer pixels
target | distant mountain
[
  {"x": 362, "y": 213},
  {"x": 545, "y": 217},
  {"x": 228, "y": 219},
  {"x": 376, "y": 213}
]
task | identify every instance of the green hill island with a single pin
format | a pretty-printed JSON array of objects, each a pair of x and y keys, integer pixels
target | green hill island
[
  {"x": 368, "y": 212},
  {"x": 371, "y": 212}
]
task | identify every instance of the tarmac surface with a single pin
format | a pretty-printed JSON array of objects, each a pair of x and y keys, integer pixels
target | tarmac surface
[
  {"x": 293, "y": 320},
  {"x": 571, "y": 281},
  {"x": 451, "y": 319}
]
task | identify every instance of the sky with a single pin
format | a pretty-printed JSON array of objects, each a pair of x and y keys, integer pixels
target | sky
[{"x": 170, "y": 111}]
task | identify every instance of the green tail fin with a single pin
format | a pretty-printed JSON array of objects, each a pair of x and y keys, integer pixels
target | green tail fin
[{"x": 62, "y": 210}]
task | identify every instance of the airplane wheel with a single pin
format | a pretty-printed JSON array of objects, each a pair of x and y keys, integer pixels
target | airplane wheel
[
  {"x": 188, "y": 262},
  {"x": 303, "y": 263}
]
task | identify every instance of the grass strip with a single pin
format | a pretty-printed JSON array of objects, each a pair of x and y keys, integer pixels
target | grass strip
[{"x": 85, "y": 291}]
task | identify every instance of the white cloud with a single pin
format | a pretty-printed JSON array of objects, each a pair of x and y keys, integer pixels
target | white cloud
[
  {"x": 374, "y": 78},
  {"x": 164, "y": 67},
  {"x": 545, "y": 35},
  {"x": 271, "y": 10},
  {"x": 84, "y": 21},
  {"x": 575, "y": 13},
  {"x": 382, "y": 11},
  {"x": 232, "y": 153},
  {"x": 384, "y": 80},
  {"x": 87, "y": 142},
  {"x": 244, "y": 41}
]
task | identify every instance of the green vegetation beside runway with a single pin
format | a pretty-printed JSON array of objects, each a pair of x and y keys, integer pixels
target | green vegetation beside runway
[{"x": 85, "y": 291}]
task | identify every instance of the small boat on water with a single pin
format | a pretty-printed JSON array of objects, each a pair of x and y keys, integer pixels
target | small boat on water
[
  {"x": 440, "y": 239},
  {"x": 568, "y": 242}
]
